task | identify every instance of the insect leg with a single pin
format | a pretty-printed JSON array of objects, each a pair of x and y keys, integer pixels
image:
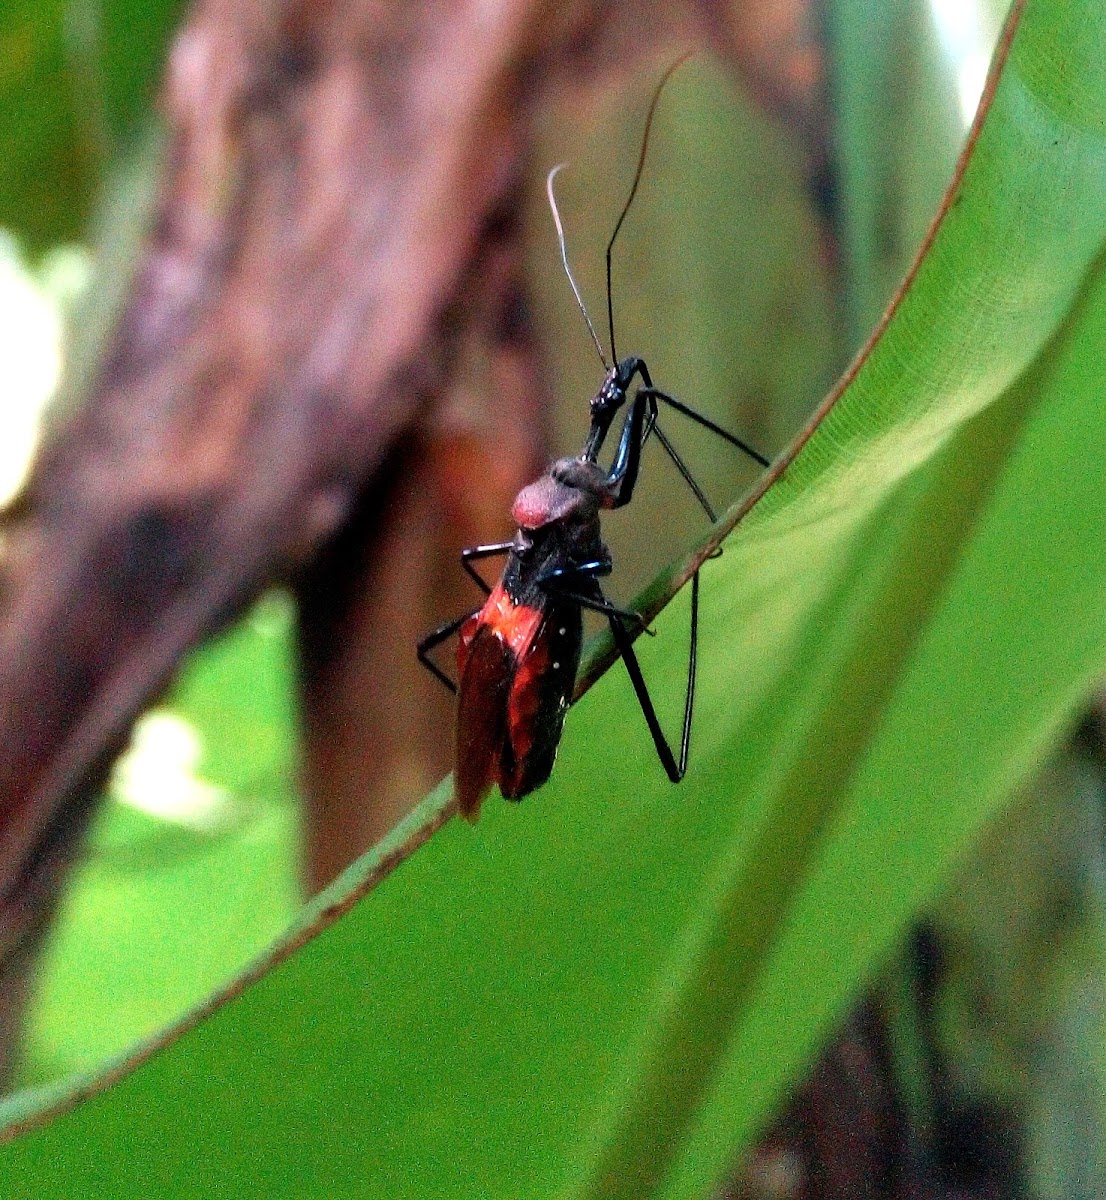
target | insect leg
[
  {"x": 681, "y": 466},
  {"x": 473, "y": 553},
  {"x": 602, "y": 606},
  {"x": 706, "y": 422},
  {"x": 674, "y": 770},
  {"x": 623, "y": 475},
  {"x": 443, "y": 632},
  {"x": 439, "y": 635},
  {"x": 560, "y": 580},
  {"x": 689, "y": 479}
]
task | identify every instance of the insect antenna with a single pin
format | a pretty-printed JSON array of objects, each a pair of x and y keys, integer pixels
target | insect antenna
[
  {"x": 564, "y": 262},
  {"x": 634, "y": 186}
]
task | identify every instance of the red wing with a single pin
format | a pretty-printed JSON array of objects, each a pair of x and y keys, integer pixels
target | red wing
[
  {"x": 491, "y": 733},
  {"x": 540, "y": 693},
  {"x": 486, "y": 674}
]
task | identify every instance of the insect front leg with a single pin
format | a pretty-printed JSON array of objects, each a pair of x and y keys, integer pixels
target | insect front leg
[
  {"x": 623, "y": 475},
  {"x": 663, "y": 397}
]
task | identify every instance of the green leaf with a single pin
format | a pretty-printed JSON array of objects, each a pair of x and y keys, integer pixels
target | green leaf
[
  {"x": 193, "y": 864},
  {"x": 601, "y": 992}
]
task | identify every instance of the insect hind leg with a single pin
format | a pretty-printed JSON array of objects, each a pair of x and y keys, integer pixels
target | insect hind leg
[
  {"x": 674, "y": 768},
  {"x": 435, "y": 638}
]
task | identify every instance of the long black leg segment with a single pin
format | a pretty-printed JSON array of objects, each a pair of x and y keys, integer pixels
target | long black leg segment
[
  {"x": 439, "y": 635},
  {"x": 561, "y": 580},
  {"x": 474, "y": 553},
  {"x": 601, "y": 606},
  {"x": 681, "y": 466},
  {"x": 443, "y": 632},
  {"x": 706, "y": 422},
  {"x": 675, "y": 770}
]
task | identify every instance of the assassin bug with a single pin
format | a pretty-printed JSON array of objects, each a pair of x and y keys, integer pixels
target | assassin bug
[{"x": 518, "y": 654}]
